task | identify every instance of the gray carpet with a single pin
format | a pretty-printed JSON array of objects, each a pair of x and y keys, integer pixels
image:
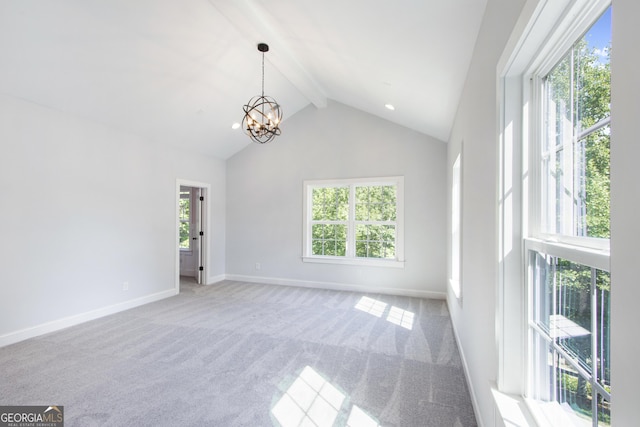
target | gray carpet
[{"x": 240, "y": 354}]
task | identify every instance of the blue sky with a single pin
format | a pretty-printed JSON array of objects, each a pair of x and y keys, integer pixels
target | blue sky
[{"x": 599, "y": 35}]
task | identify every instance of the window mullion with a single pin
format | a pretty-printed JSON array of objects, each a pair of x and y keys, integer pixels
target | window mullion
[
  {"x": 351, "y": 227},
  {"x": 594, "y": 347},
  {"x": 554, "y": 313}
]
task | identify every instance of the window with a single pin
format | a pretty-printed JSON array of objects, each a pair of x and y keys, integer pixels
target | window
[
  {"x": 575, "y": 143},
  {"x": 355, "y": 221},
  {"x": 456, "y": 226},
  {"x": 185, "y": 220},
  {"x": 567, "y": 247}
]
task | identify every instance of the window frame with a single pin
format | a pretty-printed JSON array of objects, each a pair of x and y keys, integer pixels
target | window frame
[
  {"x": 544, "y": 32},
  {"x": 350, "y": 258},
  {"x": 590, "y": 252}
]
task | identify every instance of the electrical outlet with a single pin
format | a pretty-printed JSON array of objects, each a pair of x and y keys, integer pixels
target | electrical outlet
[
  {"x": 258, "y": 266},
  {"x": 125, "y": 286}
]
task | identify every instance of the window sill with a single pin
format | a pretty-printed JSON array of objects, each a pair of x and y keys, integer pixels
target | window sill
[
  {"x": 514, "y": 410},
  {"x": 554, "y": 414},
  {"x": 511, "y": 410},
  {"x": 365, "y": 262}
]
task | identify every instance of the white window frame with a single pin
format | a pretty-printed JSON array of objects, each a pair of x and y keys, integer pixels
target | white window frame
[
  {"x": 544, "y": 33},
  {"x": 455, "y": 280},
  {"x": 350, "y": 258}
]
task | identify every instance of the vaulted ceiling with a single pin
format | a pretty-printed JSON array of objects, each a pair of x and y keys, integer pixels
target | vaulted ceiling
[{"x": 179, "y": 71}]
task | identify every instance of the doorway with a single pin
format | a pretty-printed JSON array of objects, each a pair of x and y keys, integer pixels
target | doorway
[{"x": 192, "y": 225}]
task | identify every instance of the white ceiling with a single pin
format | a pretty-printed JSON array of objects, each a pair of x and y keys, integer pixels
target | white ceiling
[{"x": 178, "y": 71}]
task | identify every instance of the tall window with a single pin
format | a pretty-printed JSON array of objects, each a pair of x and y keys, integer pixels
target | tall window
[
  {"x": 456, "y": 226},
  {"x": 568, "y": 245},
  {"x": 185, "y": 220},
  {"x": 354, "y": 221}
]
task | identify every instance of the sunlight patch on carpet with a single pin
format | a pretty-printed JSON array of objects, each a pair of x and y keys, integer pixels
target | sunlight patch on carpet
[
  {"x": 377, "y": 308},
  {"x": 371, "y": 306},
  {"x": 311, "y": 400},
  {"x": 401, "y": 317}
]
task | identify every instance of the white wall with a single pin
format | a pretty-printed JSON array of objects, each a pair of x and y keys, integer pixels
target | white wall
[
  {"x": 84, "y": 209},
  {"x": 264, "y": 203},
  {"x": 476, "y": 124},
  {"x": 625, "y": 224}
]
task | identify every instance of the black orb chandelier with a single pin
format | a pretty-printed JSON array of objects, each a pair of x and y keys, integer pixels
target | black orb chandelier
[{"x": 262, "y": 114}]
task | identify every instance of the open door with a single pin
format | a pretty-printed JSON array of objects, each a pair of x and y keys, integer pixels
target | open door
[
  {"x": 200, "y": 247},
  {"x": 192, "y": 235}
]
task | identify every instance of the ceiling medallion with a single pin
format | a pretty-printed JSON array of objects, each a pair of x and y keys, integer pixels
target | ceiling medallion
[{"x": 262, "y": 114}]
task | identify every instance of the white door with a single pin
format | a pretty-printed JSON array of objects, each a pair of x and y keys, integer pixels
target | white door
[{"x": 199, "y": 229}]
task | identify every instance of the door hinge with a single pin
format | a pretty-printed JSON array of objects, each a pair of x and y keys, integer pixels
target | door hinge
[
  {"x": 202, "y": 233},
  {"x": 201, "y": 198},
  {"x": 201, "y": 268}
]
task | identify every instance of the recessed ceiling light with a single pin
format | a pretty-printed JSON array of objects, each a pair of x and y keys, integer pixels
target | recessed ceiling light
[
  {"x": 389, "y": 107},
  {"x": 235, "y": 126}
]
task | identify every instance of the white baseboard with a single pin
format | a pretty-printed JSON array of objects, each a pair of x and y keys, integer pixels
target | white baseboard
[
  {"x": 215, "y": 279},
  {"x": 56, "y": 325},
  {"x": 337, "y": 286},
  {"x": 472, "y": 392}
]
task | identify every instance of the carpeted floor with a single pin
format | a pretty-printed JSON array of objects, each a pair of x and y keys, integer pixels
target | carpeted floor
[{"x": 241, "y": 354}]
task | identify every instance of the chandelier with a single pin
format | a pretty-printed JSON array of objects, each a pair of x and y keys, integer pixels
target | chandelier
[{"x": 262, "y": 114}]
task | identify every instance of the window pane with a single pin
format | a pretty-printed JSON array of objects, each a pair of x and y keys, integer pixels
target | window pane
[
  {"x": 572, "y": 321},
  {"x": 362, "y": 203},
  {"x": 184, "y": 204},
  {"x": 362, "y": 232},
  {"x": 184, "y": 235},
  {"x": 556, "y": 380},
  {"x": 542, "y": 291},
  {"x": 389, "y": 249},
  {"x": 329, "y": 247},
  {"x": 604, "y": 411},
  {"x": 362, "y": 212},
  {"x": 329, "y": 239},
  {"x": 563, "y": 308},
  {"x": 376, "y": 203},
  {"x": 559, "y": 120},
  {"x": 572, "y": 390},
  {"x": 375, "y": 211},
  {"x": 316, "y": 247},
  {"x": 596, "y": 185},
  {"x": 184, "y": 207},
  {"x": 375, "y": 194},
  {"x": 389, "y": 194},
  {"x": 375, "y": 241},
  {"x": 389, "y": 212},
  {"x": 593, "y": 73},
  {"x": 575, "y": 149},
  {"x": 330, "y": 204},
  {"x": 317, "y": 204},
  {"x": 317, "y": 231},
  {"x": 603, "y": 289}
]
